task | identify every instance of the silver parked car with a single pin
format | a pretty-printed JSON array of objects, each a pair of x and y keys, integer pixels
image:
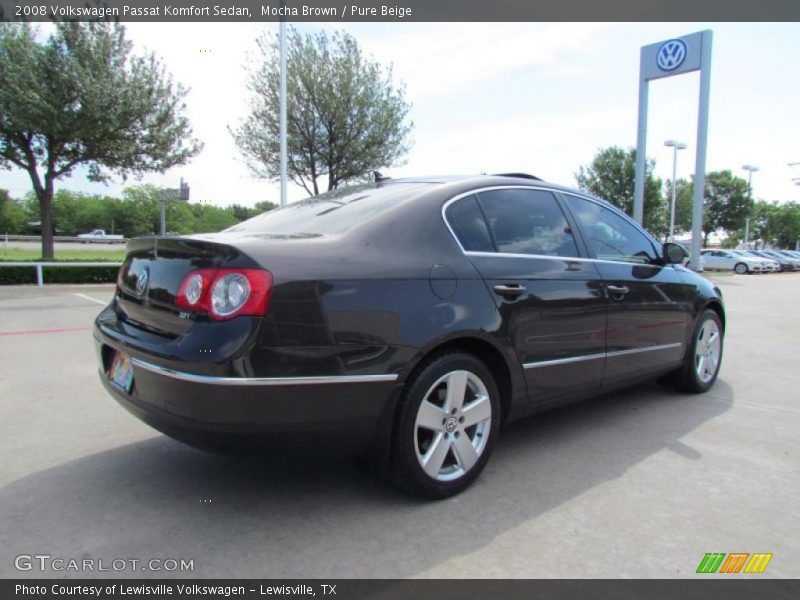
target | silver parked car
[
  {"x": 726, "y": 260},
  {"x": 773, "y": 266},
  {"x": 793, "y": 257},
  {"x": 788, "y": 263}
]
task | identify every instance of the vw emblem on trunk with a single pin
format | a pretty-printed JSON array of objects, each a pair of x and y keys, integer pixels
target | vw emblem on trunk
[
  {"x": 142, "y": 280},
  {"x": 671, "y": 55}
]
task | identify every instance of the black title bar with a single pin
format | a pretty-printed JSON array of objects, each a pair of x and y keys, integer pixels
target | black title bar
[
  {"x": 710, "y": 588},
  {"x": 399, "y": 10}
]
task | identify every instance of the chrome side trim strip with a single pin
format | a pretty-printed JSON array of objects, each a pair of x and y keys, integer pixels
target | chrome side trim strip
[
  {"x": 646, "y": 349},
  {"x": 563, "y": 361},
  {"x": 261, "y": 381},
  {"x": 574, "y": 359}
]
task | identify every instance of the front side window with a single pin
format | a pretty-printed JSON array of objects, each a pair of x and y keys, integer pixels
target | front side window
[
  {"x": 610, "y": 236},
  {"x": 526, "y": 221}
]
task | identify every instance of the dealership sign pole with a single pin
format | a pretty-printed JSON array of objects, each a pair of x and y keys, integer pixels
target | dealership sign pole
[{"x": 674, "y": 57}]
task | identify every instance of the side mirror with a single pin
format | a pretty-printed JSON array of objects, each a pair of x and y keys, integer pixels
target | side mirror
[{"x": 674, "y": 253}]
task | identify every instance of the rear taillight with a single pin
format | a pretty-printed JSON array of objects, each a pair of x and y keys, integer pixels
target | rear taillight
[{"x": 226, "y": 293}]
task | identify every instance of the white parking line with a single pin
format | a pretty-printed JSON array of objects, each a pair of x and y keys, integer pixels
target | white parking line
[{"x": 85, "y": 297}]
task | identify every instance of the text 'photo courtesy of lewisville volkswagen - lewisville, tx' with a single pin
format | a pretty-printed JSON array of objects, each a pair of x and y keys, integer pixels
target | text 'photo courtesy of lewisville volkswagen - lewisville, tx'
[{"x": 398, "y": 300}]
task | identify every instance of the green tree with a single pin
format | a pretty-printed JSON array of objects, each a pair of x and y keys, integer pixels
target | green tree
[
  {"x": 138, "y": 211},
  {"x": 210, "y": 218},
  {"x": 265, "y": 206},
  {"x": 345, "y": 117},
  {"x": 727, "y": 202},
  {"x": 611, "y": 176},
  {"x": 725, "y": 205},
  {"x": 81, "y": 98},
  {"x": 179, "y": 218},
  {"x": 783, "y": 224},
  {"x": 76, "y": 212},
  {"x": 12, "y": 214},
  {"x": 242, "y": 212}
]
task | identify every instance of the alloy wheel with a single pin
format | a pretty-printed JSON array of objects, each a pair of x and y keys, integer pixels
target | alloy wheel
[
  {"x": 707, "y": 351},
  {"x": 452, "y": 425}
]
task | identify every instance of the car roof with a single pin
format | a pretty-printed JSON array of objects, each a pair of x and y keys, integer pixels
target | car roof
[
  {"x": 487, "y": 180},
  {"x": 451, "y": 178}
]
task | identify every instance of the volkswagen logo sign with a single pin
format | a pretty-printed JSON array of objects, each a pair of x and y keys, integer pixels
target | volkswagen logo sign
[
  {"x": 142, "y": 281},
  {"x": 671, "y": 55}
]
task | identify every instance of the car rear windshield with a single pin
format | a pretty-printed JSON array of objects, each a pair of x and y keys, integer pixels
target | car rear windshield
[{"x": 334, "y": 212}]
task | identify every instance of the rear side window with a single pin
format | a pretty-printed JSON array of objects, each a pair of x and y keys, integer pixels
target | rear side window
[
  {"x": 608, "y": 235},
  {"x": 331, "y": 213},
  {"x": 527, "y": 222},
  {"x": 467, "y": 222}
]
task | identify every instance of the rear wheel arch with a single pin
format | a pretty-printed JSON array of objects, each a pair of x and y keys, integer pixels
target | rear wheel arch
[
  {"x": 376, "y": 457},
  {"x": 487, "y": 352}
]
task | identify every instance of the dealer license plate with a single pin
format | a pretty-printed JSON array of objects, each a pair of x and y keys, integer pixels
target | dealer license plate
[{"x": 121, "y": 372}]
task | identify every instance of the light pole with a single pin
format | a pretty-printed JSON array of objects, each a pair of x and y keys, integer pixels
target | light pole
[
  {"x": 675, "y": 147},
  {"x": 282, "y": 107},
  {"x": 750, "y": 170}
]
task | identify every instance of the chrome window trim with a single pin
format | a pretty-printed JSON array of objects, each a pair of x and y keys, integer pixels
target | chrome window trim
[
  {"x": 573, "y": 359},
  {"x": 478, "y": 191},
  {"x": 555, "y": 192},
  {"x": 261, "y": 381}
]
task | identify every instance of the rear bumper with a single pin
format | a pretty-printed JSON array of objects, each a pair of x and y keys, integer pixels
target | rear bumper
[{"x": 339, "y": 412}]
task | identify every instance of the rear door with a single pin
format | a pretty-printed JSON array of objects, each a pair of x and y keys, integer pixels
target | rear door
[
  {"x": 648, "y": 302},
  {"x": 550, "y": 300}
]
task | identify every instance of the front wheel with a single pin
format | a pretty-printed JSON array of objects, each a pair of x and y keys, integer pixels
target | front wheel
[
  {"x": 740, "y": 268},
  {"x": 448, "y": 420},
  {"x": 703, "y": 360}
]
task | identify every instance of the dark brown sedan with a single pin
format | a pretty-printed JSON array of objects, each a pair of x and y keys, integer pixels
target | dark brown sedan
[{"x": 405, "y": 320}]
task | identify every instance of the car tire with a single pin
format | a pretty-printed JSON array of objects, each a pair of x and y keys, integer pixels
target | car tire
[
  {"x": 448, "y": 420},
  {"x": 706, "y": 347},
  {"x": 740, "y": 268}
]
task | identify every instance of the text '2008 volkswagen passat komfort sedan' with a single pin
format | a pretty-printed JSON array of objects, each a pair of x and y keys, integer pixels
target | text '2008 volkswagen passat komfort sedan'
[{"x": 407, "y": 319}]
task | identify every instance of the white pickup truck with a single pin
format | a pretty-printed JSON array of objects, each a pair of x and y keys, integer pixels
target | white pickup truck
[{"x": 99, "y": 235}]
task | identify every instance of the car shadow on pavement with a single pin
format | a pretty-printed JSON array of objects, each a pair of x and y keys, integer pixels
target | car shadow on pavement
[{"x": 284, "y": 515}]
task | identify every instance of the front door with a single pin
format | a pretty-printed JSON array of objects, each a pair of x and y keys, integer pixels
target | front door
[{"x": 648, "y": 302}]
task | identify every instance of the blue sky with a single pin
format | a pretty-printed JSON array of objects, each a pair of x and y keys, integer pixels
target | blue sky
[{"x": 539, "y": 98}]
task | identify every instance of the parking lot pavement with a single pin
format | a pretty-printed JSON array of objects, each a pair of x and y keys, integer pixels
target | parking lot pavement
[{"x": 641, "y": 483}]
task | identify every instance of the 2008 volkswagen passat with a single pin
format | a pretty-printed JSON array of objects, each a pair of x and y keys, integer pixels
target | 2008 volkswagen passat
[{"x": 406, "y": 319}]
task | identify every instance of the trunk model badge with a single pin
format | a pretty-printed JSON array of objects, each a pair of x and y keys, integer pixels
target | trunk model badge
[{"x": 142, "y": 281}]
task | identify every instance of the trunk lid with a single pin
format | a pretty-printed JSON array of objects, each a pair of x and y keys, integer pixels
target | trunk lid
[{"x": 153, "y": 271}]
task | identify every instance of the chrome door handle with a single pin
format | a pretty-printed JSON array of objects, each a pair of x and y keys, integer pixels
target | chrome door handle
[
  {"x": 617, "y": 291},
  {"x": 511, "y": 289}
]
